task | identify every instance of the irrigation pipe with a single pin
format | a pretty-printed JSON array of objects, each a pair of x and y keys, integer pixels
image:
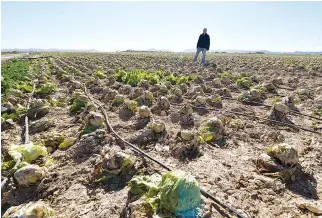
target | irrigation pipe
[
  {"x": 265, "y": 105},
  {"x": 269, "y": 106},
  {"x": 117, "y": 135},
  {"x": 32, "y": 58},
  {"x": 202, "y": 190},
  {"x": 267, "y": 93},
  {"x": 264, "y": 119},
  {"x": 4, "y": 182}
]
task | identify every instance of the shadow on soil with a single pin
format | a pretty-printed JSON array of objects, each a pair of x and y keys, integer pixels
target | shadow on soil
[
  {"x": 202, "y": 111},
  {"x": 125, "y": 115},
  {"x": 115, "y": 183},
  {"x": 304, "y": 185}
]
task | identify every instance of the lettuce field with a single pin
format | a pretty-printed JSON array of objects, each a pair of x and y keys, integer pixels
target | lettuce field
[{"x": 94, "y": 134}]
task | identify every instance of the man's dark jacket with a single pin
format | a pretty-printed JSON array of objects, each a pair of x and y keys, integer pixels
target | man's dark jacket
[{"x": 204, "y": 41}]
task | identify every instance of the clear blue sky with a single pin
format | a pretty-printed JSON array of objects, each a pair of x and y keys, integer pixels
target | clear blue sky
[{"x": 106, "y": 26}]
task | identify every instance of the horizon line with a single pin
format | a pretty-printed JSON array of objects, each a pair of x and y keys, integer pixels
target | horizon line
[{"x": 153, "y": 49}]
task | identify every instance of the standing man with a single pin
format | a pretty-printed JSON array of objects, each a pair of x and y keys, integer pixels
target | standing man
[{"x": 203, "y": 45}]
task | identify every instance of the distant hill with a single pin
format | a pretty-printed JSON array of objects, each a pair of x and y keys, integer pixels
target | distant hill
[
  {"x": 256, "y": 51},
  {"x": 303, "y": 52},
  {"x": 47, "y": 50},
  {"x": 148, "y": 50},
  {"x": 229, "y": 51},
  {"x": 158, "y": 50}
]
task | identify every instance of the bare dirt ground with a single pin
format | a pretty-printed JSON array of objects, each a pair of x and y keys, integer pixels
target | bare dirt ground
[
  {"x": 5, "y": 57},
  {"x": 228, "y": 172}
]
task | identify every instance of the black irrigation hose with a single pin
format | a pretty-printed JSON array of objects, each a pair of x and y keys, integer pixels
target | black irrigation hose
[
  {"x": 4, "y": 182},
  {"x": 252, "y": 102},
  {"x": 253, "y": 116},
  {"x": 267, "y": 93},
  {"x": 32, "y": 58},
  {"x": 202, "y": 190},
  {"x": 117, "y": 135},
  {"x": 269, "y": 106},
  {"x": 226, "y": 206},
  {"x": 288, "y": 89},
  {"x": 259, "y": 118},
  {"x": 306, "y": 115},
  {"x": 276, "y": 94}
]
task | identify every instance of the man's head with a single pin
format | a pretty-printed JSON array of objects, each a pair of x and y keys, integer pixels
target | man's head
[{"x": 204, "y": 30}]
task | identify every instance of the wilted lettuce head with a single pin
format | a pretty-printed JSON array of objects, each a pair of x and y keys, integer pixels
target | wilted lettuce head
[
  {"x": 186, "y": 135},
  {"x": 177, "y": 92},
  {"x": 27, "y": 152},
  {"x": 201, "y": 100},
  {"x": 119, "y": 98},
  {"x": 31, "y": 209},
  {"x": 148, "y": 95},
  {"x": 95, "y": 119},
  {"x": 285, "y": 153},
  {"x": 164, "y": 102},
  {"x": 157, "y": 126},
  {"x": 29, "y": 174},
  {"x": 144, "y": 111},
  {"x": 280, "y": 107},
  {"x": 131, "y": 105},
  {"x": 180, "y": 193},
  {"x": 186, "y": 110},
  {"x": 176, "y": 192},
  {"x": 142, "y": 184}
]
